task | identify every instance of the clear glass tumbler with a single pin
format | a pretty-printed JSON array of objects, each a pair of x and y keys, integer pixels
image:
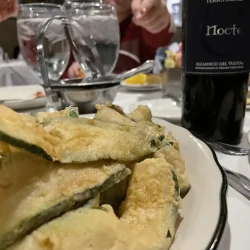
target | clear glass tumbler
[
  {"x": 31, "y": 19},
  {"x": 94, "y": 26}
]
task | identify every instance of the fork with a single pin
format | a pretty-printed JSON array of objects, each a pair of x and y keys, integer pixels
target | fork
[
  {"x": 239, "y": 182},
  {"x": 228, "y": 149}
]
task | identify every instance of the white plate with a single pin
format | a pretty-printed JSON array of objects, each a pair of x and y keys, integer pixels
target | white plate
[
  {"x": 204, "y": 208},
  {"x": 22, "y": 97},
  {"x": 160, "y": 108},
  {"x": 139, "y": 87}
]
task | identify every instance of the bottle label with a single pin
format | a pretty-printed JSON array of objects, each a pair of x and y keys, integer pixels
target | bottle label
[{"x": 216, "y": 36}]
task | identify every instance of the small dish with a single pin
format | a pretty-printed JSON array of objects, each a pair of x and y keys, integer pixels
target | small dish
[{"x": 23, "y": 97}]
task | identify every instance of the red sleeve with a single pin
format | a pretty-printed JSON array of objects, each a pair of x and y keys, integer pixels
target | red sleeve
[{"x": 150, "y": 42}]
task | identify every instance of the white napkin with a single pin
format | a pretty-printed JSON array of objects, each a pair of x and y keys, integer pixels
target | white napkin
[
  {"x": 20, "y": 92},
  {"x": 17, "y": 72}
]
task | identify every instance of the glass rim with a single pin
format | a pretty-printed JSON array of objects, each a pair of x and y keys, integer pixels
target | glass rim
[
  {"x": 80, "y": 7},
  {"x": 38, "y": 7}
]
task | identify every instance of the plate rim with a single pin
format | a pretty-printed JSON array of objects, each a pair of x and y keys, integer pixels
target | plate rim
[
  {"x": 223, "y": 215},
  {"x": 221, "y": 224},
  {"x": 141, "y": 87}
]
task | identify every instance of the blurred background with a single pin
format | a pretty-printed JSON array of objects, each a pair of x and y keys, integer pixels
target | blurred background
[{"x": 9, "y": 43}]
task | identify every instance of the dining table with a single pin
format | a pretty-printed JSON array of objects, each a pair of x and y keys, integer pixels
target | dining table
[{"x": 236, "y": 234}]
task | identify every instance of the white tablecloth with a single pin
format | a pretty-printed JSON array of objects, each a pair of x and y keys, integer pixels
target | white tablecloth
[
  {"x": 16, "y": 72},
  {"x": 237, "y": 232}
]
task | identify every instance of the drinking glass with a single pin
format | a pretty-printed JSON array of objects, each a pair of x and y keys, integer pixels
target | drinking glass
[
  {"x": 31, "y": 19},
  {"x": 94, "y": 29},
  {"x": 68, "y": 3}
]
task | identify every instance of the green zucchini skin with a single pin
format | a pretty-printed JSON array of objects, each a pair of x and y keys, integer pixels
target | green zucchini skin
[
  {"x": 24, "y": 145},
  {"x": 75, "y": 201}
]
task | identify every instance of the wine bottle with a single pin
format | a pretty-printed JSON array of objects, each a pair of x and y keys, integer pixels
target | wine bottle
[{"x": 216, "y": 65}]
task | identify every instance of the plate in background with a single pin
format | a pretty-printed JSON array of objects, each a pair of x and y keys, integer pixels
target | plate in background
[
  {"x": 23, "y": 97},
  {"x": 141, "y": 87}
]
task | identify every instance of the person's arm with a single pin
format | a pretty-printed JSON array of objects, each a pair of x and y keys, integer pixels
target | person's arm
[
  {"x": 7, "y": 9},
  {"x": 150, "y": 42},
  {"x": 156, "y": 27}
]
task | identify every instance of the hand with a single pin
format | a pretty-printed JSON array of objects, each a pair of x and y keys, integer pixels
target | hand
[
  {"x": 74, "y": 70},
  {"x": 152, "y": 15},
  {"x": 7, "y": 9}
]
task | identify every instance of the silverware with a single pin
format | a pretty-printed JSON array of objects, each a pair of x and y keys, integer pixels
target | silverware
[
  {"x": 228, "y": 149},
  {"x": 143, "y": 68},
  {"x": 239, "y": 182},
  {"x": 102, "y": 81}
]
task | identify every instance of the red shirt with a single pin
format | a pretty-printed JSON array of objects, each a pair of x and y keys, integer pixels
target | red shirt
[{"x": 138, "y": 41}]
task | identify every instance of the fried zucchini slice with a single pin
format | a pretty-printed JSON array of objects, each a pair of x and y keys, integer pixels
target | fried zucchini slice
[
  {"x": 115, "y": 194},
  {"x": 90, "y": 229},
  {"x": 67, "y": 140},
  {"x": 108, "y": 114},
  {"x": 84, "y": 140},
  {"x": 4, "y": 149},
  {"x": 33, "y": 190},
  {"x": 152, "y": 202},
  {"x": 141, "y": 113},
  {"x": 21, "y": 131},
  {"x": 67, "y": 112},
  {"x": 177, "y": 163},
  {"x": 95, "y": 228}
]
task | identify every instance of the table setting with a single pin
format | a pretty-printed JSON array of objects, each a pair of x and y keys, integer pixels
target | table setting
[{"x": 47, "y": 121}]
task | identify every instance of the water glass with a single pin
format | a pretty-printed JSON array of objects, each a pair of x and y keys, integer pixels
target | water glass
[
  {"x": 69, "y": 3},
  {"x": 95, "y": 25},
  {"x": 31, "y": 19}
]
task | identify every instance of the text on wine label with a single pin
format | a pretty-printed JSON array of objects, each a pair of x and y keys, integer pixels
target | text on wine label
[{"x": 218, "y": 31}]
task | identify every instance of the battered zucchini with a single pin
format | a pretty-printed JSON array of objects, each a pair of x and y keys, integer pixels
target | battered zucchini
[
  {"x": 68, "y": 112},
  {"x": 21, "y": 131},
  {"x": 151, "y": 206},
  {"x": 115, "y": 194},
  {"x": 88, "y": 229},
  {"x": 33, "y": 190},
  {"x": 108, "y": 114},
  {"x": 141, "y": 113},
  {"x": 4, "y": 149},
  {"x": 174, "y": 158},
  {"x": 84, "y": 140},
  {"x": 67, "y": 140}
]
